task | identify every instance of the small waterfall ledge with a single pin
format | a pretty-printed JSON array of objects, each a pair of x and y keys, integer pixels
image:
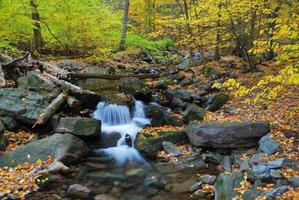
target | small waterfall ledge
[{"x": 117, "y": 119}]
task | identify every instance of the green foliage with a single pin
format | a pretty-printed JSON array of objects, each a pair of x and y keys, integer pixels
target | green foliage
[{"x": 137, "y": 41}]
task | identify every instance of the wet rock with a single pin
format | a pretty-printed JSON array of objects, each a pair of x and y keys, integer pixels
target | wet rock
[
  {"x": 78, "y": 191},
  {"x": 22, "y": 105},
  {"x": 102, "y": 176},
  {"x": 193, "y": 112},
  {"x": 268, "y": 145},
  {"x": 226, "y": 135},
  {"x": 224, "y": 187},
  {"x": 276, "y": 192},
  {"x": 183, "y": 187},
  {"x": 9, "y": 123},
  {"x": 208, "y": 179},
  {"x": 192, "y": 161},
  {"x": 135, "y": 87},
  {"x": 216, "y": 102},
  {"x": 195, "y": 187},
  {"x": 155, "y": 181},
  {"x": 108, "y": 140},
  {"x": 170, "y": 148},
  {"x": 150, "y": 144},
  {"x": 251, "y": 194},
  {"x": 62, "y": 147},
  {"x": 57, "y": 168},
  {"x": 79, "y": 126}
]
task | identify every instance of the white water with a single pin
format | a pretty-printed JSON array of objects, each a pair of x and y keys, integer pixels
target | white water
[{"x": 117, "y": 118}]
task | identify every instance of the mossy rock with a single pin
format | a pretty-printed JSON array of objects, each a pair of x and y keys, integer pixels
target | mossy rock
[
  {"x": 150, "y": 145},
  {"x": 217, "y": 101}
]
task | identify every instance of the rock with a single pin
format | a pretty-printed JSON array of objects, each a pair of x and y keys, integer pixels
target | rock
[
  {"x": 78, "y": 191},
  {"x": 12, "y": 197},
  {"x": 170, "y": 148},
  {"x": 161, "y": 85},
  {"x": 79, "y": 126},
  {"x": 3, "y": 138},
  {"x": 208, "y": 179},
  {"x": 227, "y": 164},
  {"x": 161, "y": 115},
  {"x": 185, "y": 64},
  {"x": 62, "y": 147},
  {"x": 35, "y": 82},
  {"x": 107, "y": 177},
  {"x": 216, "y": 102},
  {"x": 238, "y": 177},
  {"x": 150, "y": 144},
  {"x": 199, "y": 194},
  {"x": 182, "y": 94},
  {"x": 275, "y": 174},
  {"x": 195, "y": 187},
  {"x": 22, "y": 105},
  {"x": 213, "y": 157},
  {"x": 57, "y": 168},
  {"x": 181, "y": 187},
  {"x": 9, "y": 123},
  {"x": 244, "y": 166},
  {"x": 154, "y": 181},
  {"x": 226, "y": 135},
  {"x": 186, "y": 81},
  {"x": 135, "y": 87},
  {"x": 276, "y": 192},
  {"x": 104, "y": 197},
  {"x": 294, "y": 181},
  {"x": 268, "y": 145},
  {"x": 224, "y": 187},
  {"x": 192, "y": 161},
  {"x": 176, "y": 102},
  {"x": 257, "y": 159},
  {"x": 193, "y": 112},
  {"x": 251, "y": 194}
]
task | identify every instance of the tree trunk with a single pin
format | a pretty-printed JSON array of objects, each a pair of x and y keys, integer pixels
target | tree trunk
[
  {"x": 122, "y": 44},
  {"x": 218, "y": 36},
  {"x": 37, "y": 42},
  {"x": 2, "y": 77}
]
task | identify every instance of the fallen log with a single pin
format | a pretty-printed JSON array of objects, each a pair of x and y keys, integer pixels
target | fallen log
[
  {"x": 14, "y": 61},
  {"x": 87, "y": 98},
  {"x": 111, "y": 76},
  {"x": 52, "y": 69},
  {"x": 51, "y": 109}
]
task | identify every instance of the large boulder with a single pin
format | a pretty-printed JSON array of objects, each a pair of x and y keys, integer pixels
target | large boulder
[
  {"x": 79, "y": 126},
  {"x": 135, "y": 87},
  {"x": 22, "y": 105},
  {"x": 228, "y": 134},
  {"x": 192, "y": 113},
  {"x": 151, "y": 144},
  {"x": 62, "y": 147}
]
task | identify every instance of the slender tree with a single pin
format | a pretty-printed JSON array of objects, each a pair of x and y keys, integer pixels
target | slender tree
[
  {"x": 122, "y": 44},
  {"x": 37, "y": 35}
]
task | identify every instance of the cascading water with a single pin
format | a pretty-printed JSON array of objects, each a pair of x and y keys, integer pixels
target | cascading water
[{"x": 117, "y": 119}]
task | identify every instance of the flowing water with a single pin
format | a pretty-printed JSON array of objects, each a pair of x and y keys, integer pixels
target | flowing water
[{"x": 118, "y": 119}]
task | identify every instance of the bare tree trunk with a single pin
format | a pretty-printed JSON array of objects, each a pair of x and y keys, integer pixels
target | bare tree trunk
[
  {"x": 2, "y": 77},
  {"x": 37, "y": 35},
  {"x": 122, "y": 44}
]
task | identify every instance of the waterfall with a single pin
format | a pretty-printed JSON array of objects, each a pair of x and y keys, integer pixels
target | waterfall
[
  {"x": 112, "y": 114},
  {"x": 117, "y": 119}
]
